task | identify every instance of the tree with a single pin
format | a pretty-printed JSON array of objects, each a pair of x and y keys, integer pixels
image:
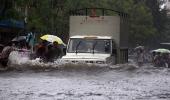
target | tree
[
  {"x": 141, "y": 27},
  {"x": 147, "y": 22},
  {"x": 159, "y": 18},
  {"x": 140, "y": 18}
]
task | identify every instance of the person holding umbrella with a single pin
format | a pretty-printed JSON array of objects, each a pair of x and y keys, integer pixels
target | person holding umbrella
[
  {"x": 41, "y": 49},
  {"x": 54, "y": 52},
  {"x": 161, "y": 58},
  {"x": 168, "y": 60},
  {"x": 139, "y": 50},
  {"x": 53, "y": 48}
]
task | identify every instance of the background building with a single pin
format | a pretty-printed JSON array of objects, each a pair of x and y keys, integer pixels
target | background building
[
  {"x": 10, "y": 25},
  {"x": 9, "y": 28}
]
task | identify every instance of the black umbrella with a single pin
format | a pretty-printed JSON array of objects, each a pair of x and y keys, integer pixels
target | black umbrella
[{"x": 19, "y": 38}]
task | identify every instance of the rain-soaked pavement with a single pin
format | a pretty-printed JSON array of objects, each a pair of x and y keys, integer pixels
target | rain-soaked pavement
[{"x": 125, "y": 82}]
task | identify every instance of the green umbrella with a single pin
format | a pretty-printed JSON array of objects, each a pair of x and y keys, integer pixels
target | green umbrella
[{"x": 161, "y": 50}]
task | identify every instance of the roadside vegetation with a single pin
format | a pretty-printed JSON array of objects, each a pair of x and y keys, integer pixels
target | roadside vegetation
[{"x": 148, "y": 24}]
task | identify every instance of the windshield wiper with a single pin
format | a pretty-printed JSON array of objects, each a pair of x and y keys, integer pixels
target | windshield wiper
[
  {"x": 94, "y": 46},
  {"x": 78, "y": 46}
]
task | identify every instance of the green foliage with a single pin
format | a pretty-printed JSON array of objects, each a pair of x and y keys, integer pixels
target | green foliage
[
  {"x": 147, "y": 22},
  {"x": 141, "y": 27}
]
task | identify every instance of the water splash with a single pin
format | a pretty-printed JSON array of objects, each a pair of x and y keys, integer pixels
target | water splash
[
  {"x": 85, "y": 81},
  {"x": 21, "y": 60}
]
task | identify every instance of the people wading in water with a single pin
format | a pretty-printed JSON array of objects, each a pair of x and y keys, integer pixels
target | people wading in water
[
  {"x": 5, "y": 54},
  {"x": 54, "y": 52}
]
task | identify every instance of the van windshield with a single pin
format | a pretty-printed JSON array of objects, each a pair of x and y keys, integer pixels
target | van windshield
[{"x": 89, "y": 46}]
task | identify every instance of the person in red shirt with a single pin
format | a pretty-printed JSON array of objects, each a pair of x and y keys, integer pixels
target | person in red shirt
[
  {"x": 41, "y": 49},
  {"x": 54, "y": 52}
]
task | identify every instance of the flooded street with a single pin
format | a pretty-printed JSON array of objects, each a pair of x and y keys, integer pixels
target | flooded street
[
  {"x": 127, "y": 83},
  {"x": 85, "y": 50},
  {"x": 35, "y": 80}
]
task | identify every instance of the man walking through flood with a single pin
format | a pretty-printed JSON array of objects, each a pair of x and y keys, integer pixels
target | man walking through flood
[
  {"x": 41, "y": 49},
  {"x": 54, "y": 52},
  {"x": 139, "y": 50},
  {"x": 140, "y": 57}
]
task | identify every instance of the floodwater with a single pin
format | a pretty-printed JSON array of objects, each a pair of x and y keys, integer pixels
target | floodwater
[{"x": 33, "y": 80}]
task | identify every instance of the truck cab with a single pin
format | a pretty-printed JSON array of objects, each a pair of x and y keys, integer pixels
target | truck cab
[
  {"x": 97, "y": 39},
  {"x": 90, "y": 49}
]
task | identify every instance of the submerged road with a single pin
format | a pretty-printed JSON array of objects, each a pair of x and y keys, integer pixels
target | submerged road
[{"x": 145, "y": 83}]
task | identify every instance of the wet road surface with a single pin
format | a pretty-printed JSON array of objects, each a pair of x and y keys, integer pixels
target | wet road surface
[{"x": 127, "y": 83}]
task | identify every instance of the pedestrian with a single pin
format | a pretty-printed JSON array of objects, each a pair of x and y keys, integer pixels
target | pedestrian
[
  {"x": 41, "y": 49},
  {"x": 30, "y": 39},
  {"x": 57, "y": 50},
  {"x": 1, "y": 47},
  {"x": 162, "y": 60},
  {"x": 54, "y": 52},
  {"x": 5, "y": 54},
  {"x": 153, "y": 56},
  {"x": 165, "y": 60},
  {"x": 158, "y": 60},
  {"x": 140, "y": 57},
  {"x": 168, "y": 60}
]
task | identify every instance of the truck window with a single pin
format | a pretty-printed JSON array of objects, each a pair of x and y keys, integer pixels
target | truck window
[{"x": 89, "y": 46}]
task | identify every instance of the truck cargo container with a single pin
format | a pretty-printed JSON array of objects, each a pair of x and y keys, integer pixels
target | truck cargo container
[{"x": 97, "y": 35}]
